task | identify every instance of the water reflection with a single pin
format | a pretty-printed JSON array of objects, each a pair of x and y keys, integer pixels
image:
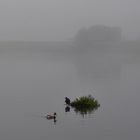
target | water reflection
[
  {"x": 54, "y": 120},
  {"x": 98, "y": 65},
  {"x": 67, "y": 109},
  {"x": 85, "y": 111},
  {"x": 82, "y": 111}
]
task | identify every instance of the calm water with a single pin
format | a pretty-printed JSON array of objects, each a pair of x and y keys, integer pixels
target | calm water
[{"x": 35, "y": 81}]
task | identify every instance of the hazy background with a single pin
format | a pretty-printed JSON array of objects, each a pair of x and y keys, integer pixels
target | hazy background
[{"x": 55, "y": 20}]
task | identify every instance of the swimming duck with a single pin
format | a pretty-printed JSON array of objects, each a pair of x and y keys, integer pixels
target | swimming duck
[
  {"x": 51, "y": 116},
  {"x": 67, "y": 100}
]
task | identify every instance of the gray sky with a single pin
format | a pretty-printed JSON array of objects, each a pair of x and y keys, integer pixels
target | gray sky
[{"x": 47, "y": 20}]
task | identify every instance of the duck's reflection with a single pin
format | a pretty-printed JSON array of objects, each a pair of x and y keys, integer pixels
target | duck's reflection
[
  {"x": 53, "y": 119},
  {"x": 67, "y": 109}
]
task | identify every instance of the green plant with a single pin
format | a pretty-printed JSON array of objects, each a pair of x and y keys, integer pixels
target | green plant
[{"x": 85, "y": 104}]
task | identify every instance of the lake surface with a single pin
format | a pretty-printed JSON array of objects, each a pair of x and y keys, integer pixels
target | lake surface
[{"x": 35, "y": 81}]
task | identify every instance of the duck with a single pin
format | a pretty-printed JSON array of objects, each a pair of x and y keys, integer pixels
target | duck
[
  {"x": 51, "y": 116},
  {"x": 67, "y": 100}
]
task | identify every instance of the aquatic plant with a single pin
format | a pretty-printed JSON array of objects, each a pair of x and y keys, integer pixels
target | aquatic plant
[{"x": 85, "y": 104}]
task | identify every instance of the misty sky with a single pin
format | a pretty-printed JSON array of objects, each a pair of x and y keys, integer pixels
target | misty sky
[{"x": 47, "y": 20}]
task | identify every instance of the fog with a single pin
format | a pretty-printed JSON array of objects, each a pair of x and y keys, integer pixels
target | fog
[
  {"x": 33, "y": 20},
  {"x": 52, "y": 49}
]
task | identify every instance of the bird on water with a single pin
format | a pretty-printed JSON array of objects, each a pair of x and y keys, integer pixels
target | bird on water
[
  {"x": 51, "y": 116},
  {"x": 67, "y": 101}
]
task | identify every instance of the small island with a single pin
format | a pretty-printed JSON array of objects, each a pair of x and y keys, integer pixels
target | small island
[{"x": 85, "y": 104}]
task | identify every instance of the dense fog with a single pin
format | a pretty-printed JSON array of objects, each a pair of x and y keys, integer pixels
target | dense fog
[
  {"x": 32, "y": 20},
  {"x": 52, "y": 49}
]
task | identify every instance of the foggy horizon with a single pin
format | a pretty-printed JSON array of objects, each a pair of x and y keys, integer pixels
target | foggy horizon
[{"x": 60, "y": 20}]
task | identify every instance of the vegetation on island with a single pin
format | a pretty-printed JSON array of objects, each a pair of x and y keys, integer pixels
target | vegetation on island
[{"x": 85, "y": 104}]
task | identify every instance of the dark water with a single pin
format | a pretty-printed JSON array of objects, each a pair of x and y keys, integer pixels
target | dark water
[{"x": 35, "y": 81}]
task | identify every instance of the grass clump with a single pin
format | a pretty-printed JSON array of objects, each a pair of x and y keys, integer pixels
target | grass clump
[{"x": 85, "y": 104}]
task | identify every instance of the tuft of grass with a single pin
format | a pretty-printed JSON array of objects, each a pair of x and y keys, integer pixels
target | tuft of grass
[{"x": 85, "y": 104}]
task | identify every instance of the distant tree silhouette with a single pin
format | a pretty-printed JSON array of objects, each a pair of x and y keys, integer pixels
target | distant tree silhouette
[{"x": 97, "y": 33}]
